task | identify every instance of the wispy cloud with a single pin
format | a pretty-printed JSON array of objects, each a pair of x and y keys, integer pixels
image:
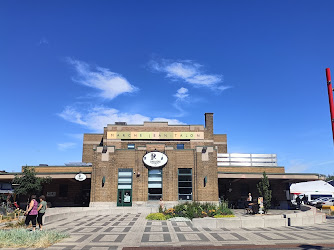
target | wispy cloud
[
  {"x": 109, "y": 84},
  {"x": 66, "y": 145},
  {"x": 189, "y": 72},
  {"x": 98, "y": 117},
  {"x": 170, "y": 121},
  {"x": 181, "y": 93},
  {"x": 181, "y": 98}
]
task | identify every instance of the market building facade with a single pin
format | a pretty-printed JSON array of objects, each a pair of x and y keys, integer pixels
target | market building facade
[{"x": 136, "y": 165}]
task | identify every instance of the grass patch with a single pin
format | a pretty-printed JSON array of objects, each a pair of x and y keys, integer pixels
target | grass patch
[
  {"x": 156, "y": 216},
  {"x": 23, "y": 238},
  {"x": 15, "y": 224}
]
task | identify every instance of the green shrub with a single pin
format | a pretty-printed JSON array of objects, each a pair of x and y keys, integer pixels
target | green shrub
[
  {"x": 197, "y": 210},
  {"x": 224, "y": 211},
  {"x": 24, "y": 238},
  {"x": 224, "y": 215},
  {"x": 180, "y": 210},
  {"x": 156, "y": 216}
]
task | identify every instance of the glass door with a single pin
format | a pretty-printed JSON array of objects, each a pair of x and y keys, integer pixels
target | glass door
[{"x": 124, "y": 198}]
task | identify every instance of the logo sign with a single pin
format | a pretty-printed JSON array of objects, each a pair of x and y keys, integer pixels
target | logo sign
[
  {"x": 80, "y": 177},
  {"x": 155, "y": 159}
]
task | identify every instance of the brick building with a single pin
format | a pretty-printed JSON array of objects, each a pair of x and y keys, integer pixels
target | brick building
[
  {"x": 136, "y": 165},
  {"x": 188, "y": 172}
]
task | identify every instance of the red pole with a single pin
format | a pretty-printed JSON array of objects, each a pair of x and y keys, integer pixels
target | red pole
[{"x": 330, "y": 96}]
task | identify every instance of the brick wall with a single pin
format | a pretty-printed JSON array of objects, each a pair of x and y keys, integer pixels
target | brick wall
[{"x": 90, "y": 141}]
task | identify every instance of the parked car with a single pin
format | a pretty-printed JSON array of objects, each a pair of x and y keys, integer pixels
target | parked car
[
  {"x": 329, "y": 202},
  {"x": 315, "y": 202},
  {"x": 320, "y": 203}
]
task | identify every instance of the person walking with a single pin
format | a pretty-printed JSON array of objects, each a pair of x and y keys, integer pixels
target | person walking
[
  {"x": 41, "y": 211},
  {"x": 305, "y": 200},
  {"x": 298, "y": 201},
  {"x": 31, "y": 213}
]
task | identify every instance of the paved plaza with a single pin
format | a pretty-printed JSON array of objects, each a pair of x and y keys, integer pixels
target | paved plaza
[{"x": 133, "y": 230}]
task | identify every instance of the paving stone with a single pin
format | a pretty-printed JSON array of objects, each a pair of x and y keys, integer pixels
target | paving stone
[{"x": 133, "y": 230}]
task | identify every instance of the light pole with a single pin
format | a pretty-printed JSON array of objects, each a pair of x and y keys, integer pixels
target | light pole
[{"x": 330, "y": 97}]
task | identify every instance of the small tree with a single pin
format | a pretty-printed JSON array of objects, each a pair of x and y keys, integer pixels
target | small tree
[
  {"x": 264, "y": 190},
  {"x": 329, "y": 177},
  {"x": 28, "y": 183}
]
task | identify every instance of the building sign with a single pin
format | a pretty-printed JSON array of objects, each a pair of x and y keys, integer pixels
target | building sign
[
  {"x": 80, "y": 177},
  {"x": 156, "y": 135},
  {"x": 155, "y": 159}
]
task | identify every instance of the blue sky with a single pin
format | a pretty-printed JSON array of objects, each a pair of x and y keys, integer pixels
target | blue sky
[{"x": 71, "y": 67}]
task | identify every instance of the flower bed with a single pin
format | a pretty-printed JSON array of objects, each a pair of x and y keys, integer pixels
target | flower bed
[{"x": 193, "y": 210}]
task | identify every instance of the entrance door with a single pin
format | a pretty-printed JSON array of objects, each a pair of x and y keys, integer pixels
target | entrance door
[{"x": 124, "y": 198}]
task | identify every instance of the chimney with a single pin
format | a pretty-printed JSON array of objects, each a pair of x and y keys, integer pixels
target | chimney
[{"x": 209, "y": 123}]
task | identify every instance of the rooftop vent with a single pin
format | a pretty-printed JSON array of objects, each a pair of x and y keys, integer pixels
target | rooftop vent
[{"x": 120, "y": 123}]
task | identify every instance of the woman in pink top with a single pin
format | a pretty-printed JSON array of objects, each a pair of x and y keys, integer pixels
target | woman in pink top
[{"x": 32, "y": 212}]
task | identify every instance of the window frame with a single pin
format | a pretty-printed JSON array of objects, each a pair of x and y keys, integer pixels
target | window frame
[
  {"x": 190, "y": 174},
  {"x": 148, "y": 188}
]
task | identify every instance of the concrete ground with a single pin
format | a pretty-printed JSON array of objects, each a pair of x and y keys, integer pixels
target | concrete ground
[{"x": 133, "y": 231}]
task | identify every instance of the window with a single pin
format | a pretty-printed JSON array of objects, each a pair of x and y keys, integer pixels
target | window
[
  {"x": 180, "y": 146},
  {"x": 63, "y": 189},
  {"x": 125, "y": 178},
  {"x": 185, "y": 184},
  {"x": 315, "y": 196},
  {"x": 131, "y": 146},
  {"x": 154, "y": 184}
]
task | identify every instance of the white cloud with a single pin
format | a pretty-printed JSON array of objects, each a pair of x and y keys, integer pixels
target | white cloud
[
  {"x": 181, "y": 93},
  {"x": 170, "y": 121},
  {"x": 188, "y": 71},
  {"x": 222, "y": 88},
  {"x": 98, "y": 117},
  {"x": 66, "y": 145},
  {"x": 71, "y": 115},
  {"x": 109, "y": 83}
]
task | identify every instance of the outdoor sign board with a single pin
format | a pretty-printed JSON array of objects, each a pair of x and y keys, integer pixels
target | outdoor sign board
[
  {"x": 155, "y": 135},
  {"x": 155, "y": 159},
  {"x": 80, "y": 177}
]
